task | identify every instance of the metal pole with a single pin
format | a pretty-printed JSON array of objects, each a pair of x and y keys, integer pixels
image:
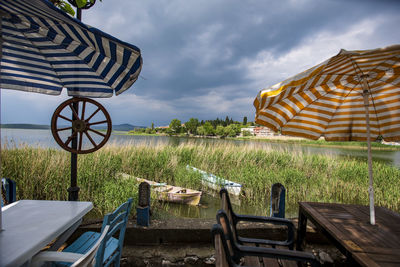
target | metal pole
[
  {"x": 371, "y": 183},
  {"x": 2, "y": 14},
  {"x": 79, "y": 14},
  {"x": 73, "y": 191}
]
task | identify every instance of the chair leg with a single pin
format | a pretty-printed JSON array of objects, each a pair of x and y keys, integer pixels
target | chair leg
[{"x": 117, "y": 260}]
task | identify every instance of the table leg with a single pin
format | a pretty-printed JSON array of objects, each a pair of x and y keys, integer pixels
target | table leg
[
  {"x": 63, "y": 237},
  {"x": 301, "y": 230}
]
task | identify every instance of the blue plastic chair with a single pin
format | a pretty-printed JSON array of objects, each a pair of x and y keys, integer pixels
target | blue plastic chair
[
  {"x": 111, "y": 248},
  {"x": 77, "y": 260},
  {"x": 9, "y": 190}
]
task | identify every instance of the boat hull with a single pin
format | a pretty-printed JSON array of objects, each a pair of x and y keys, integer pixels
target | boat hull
[
  {"x": 174, "y": 194},
  {"x": 233, "y": 190},
  {"x": 191, "y": 198}
]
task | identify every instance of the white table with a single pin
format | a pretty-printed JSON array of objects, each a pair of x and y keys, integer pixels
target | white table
[{"x": 29, "y": 225}]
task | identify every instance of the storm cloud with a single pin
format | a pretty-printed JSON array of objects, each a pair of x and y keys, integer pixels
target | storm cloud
[{"x": 209, "y": 59}]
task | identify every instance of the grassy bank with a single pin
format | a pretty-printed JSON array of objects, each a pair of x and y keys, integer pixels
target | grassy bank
[
  {"x": 44, "y": 173},
  {"x": 320, "y": 142}
]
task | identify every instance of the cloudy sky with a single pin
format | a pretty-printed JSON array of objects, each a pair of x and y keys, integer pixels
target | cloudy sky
[{"x": 210, "y": 58}]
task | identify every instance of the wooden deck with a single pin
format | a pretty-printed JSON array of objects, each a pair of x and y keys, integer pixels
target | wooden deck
[{"x": 348, "y": 227}]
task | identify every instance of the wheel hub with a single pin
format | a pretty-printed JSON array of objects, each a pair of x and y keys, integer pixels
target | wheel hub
[{"x": 79, "y": 125}]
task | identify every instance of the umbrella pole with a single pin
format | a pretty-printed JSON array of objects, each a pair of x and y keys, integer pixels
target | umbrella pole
[
  {"x": 371, "y": 184},
  {"x": 74, "y": 189},
  {"x": 1, "y": 55}
]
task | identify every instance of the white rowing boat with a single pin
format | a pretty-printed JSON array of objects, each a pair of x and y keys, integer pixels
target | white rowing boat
[{"x": 212, "y": 181}]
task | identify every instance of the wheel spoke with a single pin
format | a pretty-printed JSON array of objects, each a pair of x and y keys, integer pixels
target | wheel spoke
[
  {"x": 64, "y": 129},
  {"x": 69, "y": 139},
  {"x": 65, "y": 118},
  {"x": 91, "y": 116},
  {"x": 80, "y": 141},
  {"x": 97, "y": 132},
  {"x": 90, "y": 138},
  {"x": 97, "y": 122},
  {"x": 83, "y": 110},
  {"x": 74, "y": 112}
]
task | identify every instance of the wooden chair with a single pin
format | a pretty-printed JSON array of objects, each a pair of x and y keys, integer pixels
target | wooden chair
[
  {"x": 76, "y": 259},
  {"x": 234, "y": 219},
  {"x": 111, "y": 249},
  {"x": 230, "y": 253},
  {"x": 8, "y": 191}
]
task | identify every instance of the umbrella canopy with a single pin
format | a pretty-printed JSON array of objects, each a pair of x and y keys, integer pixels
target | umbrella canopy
[
  {"x": 45, "y": 50},
  {"x": 354, "y": 95}
]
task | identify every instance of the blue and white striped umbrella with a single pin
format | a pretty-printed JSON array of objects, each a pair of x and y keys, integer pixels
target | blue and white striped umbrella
[{"x": 45, "y": 50}]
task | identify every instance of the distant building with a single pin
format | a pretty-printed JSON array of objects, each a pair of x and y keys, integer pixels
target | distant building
[{"x": 263, "y": 131}]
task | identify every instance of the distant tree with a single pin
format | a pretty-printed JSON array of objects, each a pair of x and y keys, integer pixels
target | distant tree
[
  {"x": 237, "y": 128},
  {"x": 161, "y": 130},
  {"x": 175, "y": 126},
  {"x": 208, "y": 128},
  {"x": 202, "y": 122},
  {"x": 226, "y": 121},
  {"x": 244, "y": 120},
  {"x": 201, "y": 131},
  {"x": 230, "y": 131},
  {"x": 246, "y": 133},
  {"x": 152, "y": 125},
  {"x": 220, "y": 131},
  {"x": 149, "y": 130},
  {"x": 192, "y": 125}
]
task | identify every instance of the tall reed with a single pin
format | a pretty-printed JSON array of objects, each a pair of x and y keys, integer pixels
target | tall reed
[{"x": 44, "y": 173}]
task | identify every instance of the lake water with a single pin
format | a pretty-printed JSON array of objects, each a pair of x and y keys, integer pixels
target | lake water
[
  {"x": 44, "y": 138},
  {"x": 209, "y": 204}
]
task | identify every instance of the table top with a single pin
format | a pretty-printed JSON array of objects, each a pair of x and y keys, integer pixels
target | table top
[
  {"x": 29, "y": 225},
  {"x": 369, "y": 245}
]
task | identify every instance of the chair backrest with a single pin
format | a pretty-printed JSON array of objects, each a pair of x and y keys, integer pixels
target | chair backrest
[
  {"x": 227, "y": 207},
  {"x": 8, "y": 191},
  {"x": 277, "y": 208},
  {"x": 88, "y": 259},
  {"x": 223, "y": 256},
  {"x": 231, "y": 250},
  {"x": 117, "y": 220},
  {"x": 235, "y": 252}
]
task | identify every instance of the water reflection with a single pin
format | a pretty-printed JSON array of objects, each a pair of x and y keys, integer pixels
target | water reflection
[{"x": 211, "y": 203}]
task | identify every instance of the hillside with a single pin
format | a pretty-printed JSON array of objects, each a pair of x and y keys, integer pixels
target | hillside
[
  {"x": 25, "y": 126},
  {"x": 117, "y": 127}
]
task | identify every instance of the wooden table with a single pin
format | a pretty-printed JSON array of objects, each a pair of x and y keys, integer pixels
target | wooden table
[
  {"x": 348, "y": 227},
  {"x": 29, "y": 225}
]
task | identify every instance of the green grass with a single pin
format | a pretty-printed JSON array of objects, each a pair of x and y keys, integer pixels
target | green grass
[{"x": 44, "y": 174}]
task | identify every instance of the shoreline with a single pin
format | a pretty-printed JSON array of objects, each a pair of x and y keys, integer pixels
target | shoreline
[{"x": 289, "y": 140}]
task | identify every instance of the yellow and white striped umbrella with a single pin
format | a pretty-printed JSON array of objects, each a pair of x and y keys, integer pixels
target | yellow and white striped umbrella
[
  {"x": 328, "y": 99},
  {"x": 354, "y": 95}
]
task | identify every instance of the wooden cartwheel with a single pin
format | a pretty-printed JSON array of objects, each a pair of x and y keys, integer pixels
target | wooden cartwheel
[{"x": 80, "y": 125}]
